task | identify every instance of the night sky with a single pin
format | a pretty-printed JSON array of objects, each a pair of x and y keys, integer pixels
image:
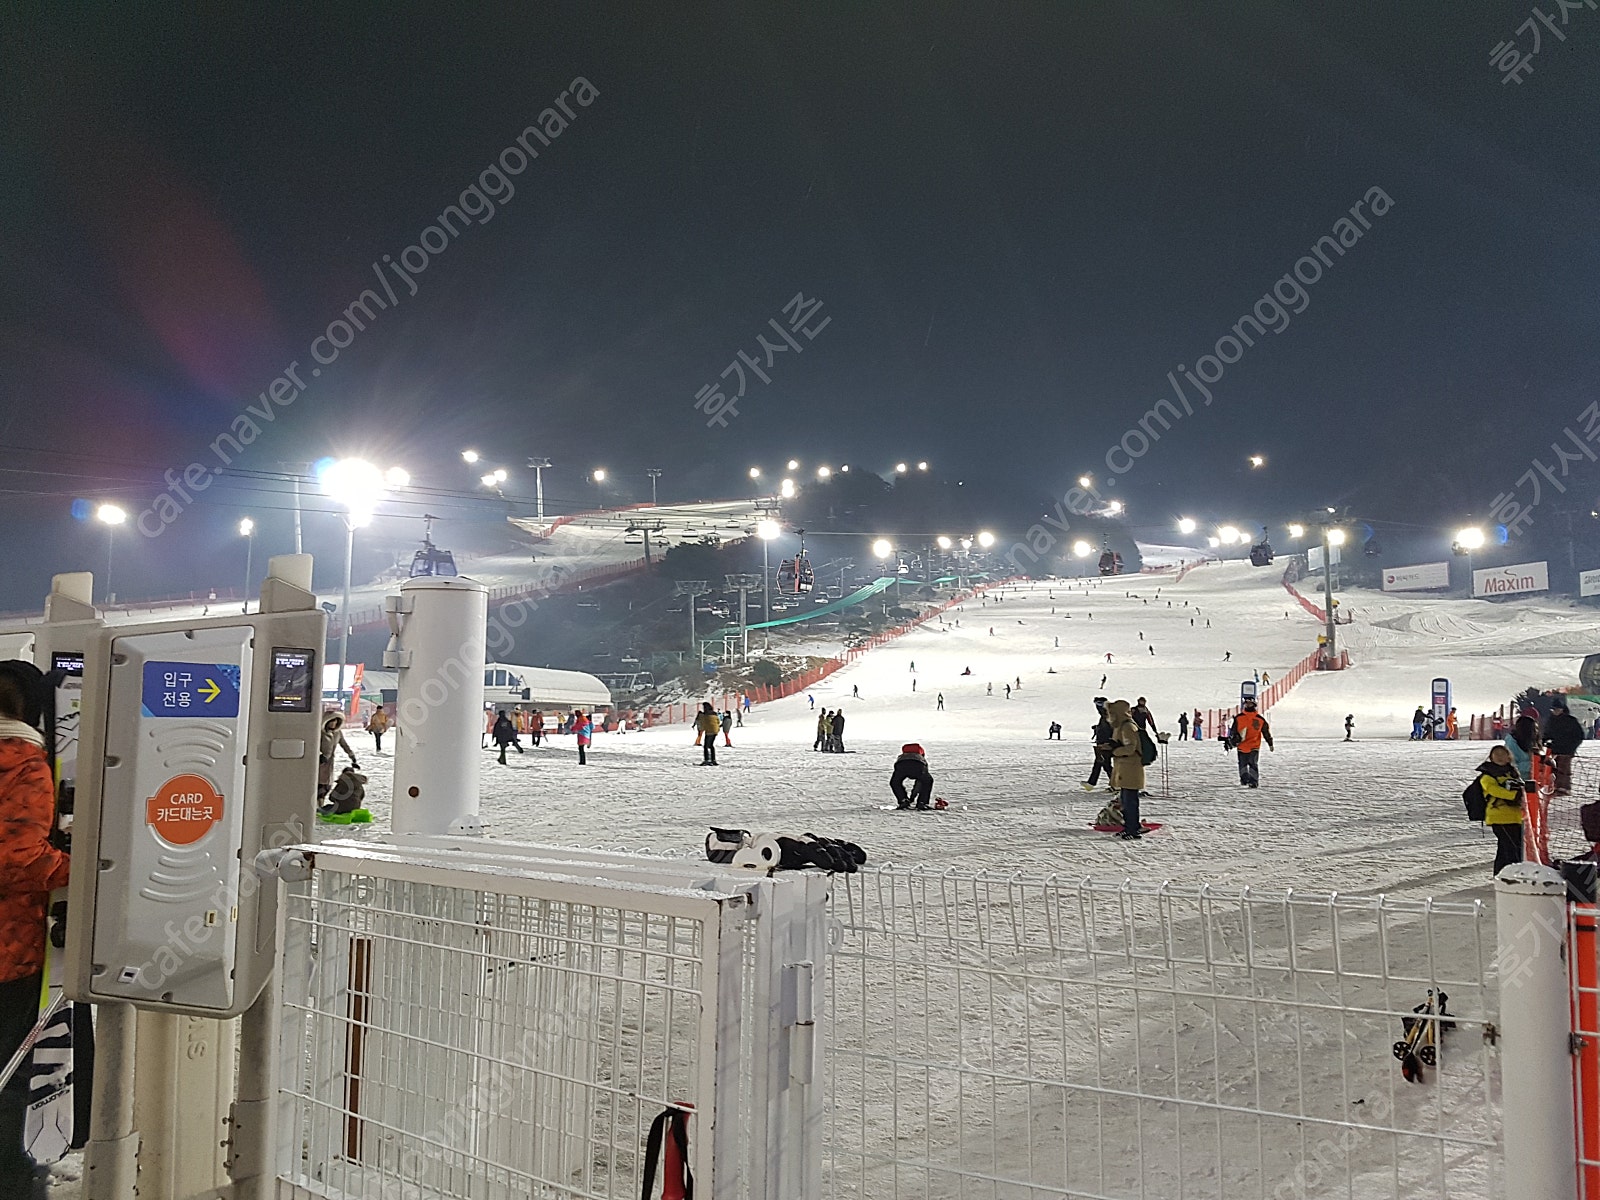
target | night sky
[{"x": 1019, "y": 219}]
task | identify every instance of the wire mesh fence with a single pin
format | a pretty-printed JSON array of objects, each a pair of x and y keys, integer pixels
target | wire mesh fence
[{"x": 1002, "y": 1037}]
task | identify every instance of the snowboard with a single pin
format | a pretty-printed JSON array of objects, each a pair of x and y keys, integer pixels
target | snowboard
[
  {"x": 1419, "y": 1047},
  {"x": 1144, "y": 826},
  {"x": 940, "y": 804}
]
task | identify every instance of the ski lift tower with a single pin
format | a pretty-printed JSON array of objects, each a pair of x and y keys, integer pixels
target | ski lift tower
[
  {"x": 538, "y": 466},
  {"x": 743, "y": 584},
  {"x": 646, "y": 528},
  {"x": 692, "y": 588}
]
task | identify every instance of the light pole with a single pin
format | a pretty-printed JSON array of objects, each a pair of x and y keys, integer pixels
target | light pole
[
  {"x": 599, "y": 477},
  {"x": 766, "y": 530},
  {"x": 111, "y": 516},
  {"x": 538, "y": 466},
  {"x": 1331, "y": 538},
  {"x": 356, "y": 486},
  {"x": 247, "y": 530},
  {"x": 1468, "y": 540},
  {"x": 655, "y": 474}
]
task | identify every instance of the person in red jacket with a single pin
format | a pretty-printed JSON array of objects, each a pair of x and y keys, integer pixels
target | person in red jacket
[
  {"x": 30, "y": 869},
  {"x": 1248, "y": 731}
]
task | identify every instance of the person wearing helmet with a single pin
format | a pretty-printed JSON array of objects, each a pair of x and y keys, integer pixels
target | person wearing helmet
[
  {"x": 1245, "y": 735},
  {"x": 912, "y": 767}
]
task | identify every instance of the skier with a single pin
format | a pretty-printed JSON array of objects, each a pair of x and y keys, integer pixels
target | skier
[
  {"x": 1183, "y": 727},
  {"x": 1563, "y": 733},
  {"x": 1058, "y": 643},
  {"x": 913, "y": 668},
  {"x": 824, "y": 727},
  {"x": 940, "y": 705},
  {"x": 913, "y": 686},
  {"x": 1108, "y": 656},
  {"x": 31, "y": 867},
  {"x": 1266, "y": 680},
  {"x": 991, "y": 631},
  {"x": 377, "y": 726},
  {"x": 812, "y": 701},
  {"x": 708, "y": 726},
  {"x": 991, "y": 690},
  {"x": 1227, "y": 655},
  {"x": 332, "y": 739},
  {"x": 583, "y": 728},
  {"x": 1248, "y": 731},
  {"x": 1055, "y": 732},
  {"x": 1141, "y": 635},
  {"x": 911, "y": 767},
  {"x": 1502, "y": 788},
  {"x": 1008, "y": 691},
  {"x": 1152, "y": 651},
  {"x": 1102, "y": 681},
  {"x": 855, "y": 691},
  {"x": 504, "y": 734},
  {"x": 1349, "y": 725},
  {"x": 1127, "y": 766}
]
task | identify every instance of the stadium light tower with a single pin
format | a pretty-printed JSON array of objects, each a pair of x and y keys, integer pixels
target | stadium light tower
[
  {"x": 1297, "y": 531},
  {"x": 824, "y": 472},
  {"x": 655, "y": 474},
  {"x": 1467, "y": 540},
  {"x": 794, "y": 464},
  {"x": 901, "y": 468},
  {"x": 1331, "y": 537},
  {"x": 1186, "y": 525},
  {"x": 356, "y": 486},
  {"x": 1229, "y": 535},
  {"x": 247, "y": 530},
  {"x": 766, "y": 530},
  {"x": 985, "y": 539}
]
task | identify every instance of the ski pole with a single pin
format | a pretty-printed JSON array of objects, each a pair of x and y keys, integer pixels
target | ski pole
[{"x": 32, "y": 1039}]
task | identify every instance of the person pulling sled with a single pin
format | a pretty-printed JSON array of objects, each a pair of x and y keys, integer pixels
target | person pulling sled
[{"x": 911, "y": 768}]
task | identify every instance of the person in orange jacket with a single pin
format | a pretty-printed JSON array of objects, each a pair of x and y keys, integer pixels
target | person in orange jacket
[
  {"x": 30, "y": 869},
  {"x": 1248, "y": 731}
]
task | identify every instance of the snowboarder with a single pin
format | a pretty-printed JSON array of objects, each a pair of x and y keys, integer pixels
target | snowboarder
[
  {"x": 1055, "y": 732},
  {"x": 1102, "y": 681},
  {"x": 1183, "y": 727},
  {"x": 1127, "y": 766},
  {"x": 32, "y": 867},
  {"x": 708, "y": 726},
  {"x": 1563, "y": 733},
  {"x": 912, "y": 767},
  {"x": 1227, "y": 655},
  {"x": 940, "y": 705},
  {"x": 1152, "y": 651},
  {"x": 838, "y": 732},
  {"x": 505, "y": 734},
  {"x": 377, "y": 726},
  {"x": 1502, "y": 790},
  {"x": 812, "y": 701},
  {"x": 1248, "y": 731},
  {"x": 332, "y": 740},
  {"x": 1349, "y": 725}
]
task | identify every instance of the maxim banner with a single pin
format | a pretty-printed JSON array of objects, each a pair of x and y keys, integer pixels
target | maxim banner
[
  {"x": 1513, "y": 580},
  {"x": 1418, "y": 578}
]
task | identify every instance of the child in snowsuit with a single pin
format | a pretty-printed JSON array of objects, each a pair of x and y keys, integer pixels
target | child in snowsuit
[
  {"x": 912, "y": 767},
  {"x": 30, "y": 868}
]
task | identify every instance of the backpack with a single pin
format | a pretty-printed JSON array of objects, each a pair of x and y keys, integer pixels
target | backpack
[
  {"x": 1147, "y": 748},
  {"x": 1477, "y": 803}
]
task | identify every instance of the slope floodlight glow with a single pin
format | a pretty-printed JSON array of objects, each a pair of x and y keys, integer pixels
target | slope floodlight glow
[{"x": 1186, "y": 525}]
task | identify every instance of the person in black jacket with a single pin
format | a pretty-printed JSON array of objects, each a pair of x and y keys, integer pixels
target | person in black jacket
[
  {"x": 912, "y": 767},
  {"x": 838, "y": 732},
  {"x": 1101, "y": 733},
  {"x": 1563, "y": 733},
  {"x": 504, "y": 734}
]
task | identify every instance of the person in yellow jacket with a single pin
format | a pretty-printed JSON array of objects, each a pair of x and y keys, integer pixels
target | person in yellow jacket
[
  {"x": 377, "y": 726},
  {"x": 1127, "y": 765},
  {"x": 1502, "y": 788},
  {"x": 707, "y": 725}
]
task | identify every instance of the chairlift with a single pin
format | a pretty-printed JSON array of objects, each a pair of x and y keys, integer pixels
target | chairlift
[
  {"x": 796, "y": 575},
  {"x": 430, "y": 560}
]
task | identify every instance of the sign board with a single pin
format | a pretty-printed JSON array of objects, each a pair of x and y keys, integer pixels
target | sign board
[
  {"x": 1517, "y": 579},
  {"x": 1418, "y": 578},
  {"x": 1589, "y": 583},
  {"x": 185, "y": 689},
  {"x": 1314, "y": 558},
  {"x": 1247, "y": 690},
  {"x": 1441, "y": 708}
]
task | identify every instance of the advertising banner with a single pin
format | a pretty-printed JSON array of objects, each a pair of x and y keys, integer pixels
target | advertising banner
[
  {"x": 1517, "y": 579},
  {"x": 1589, "y": 583},
  {"x": 1417, "y": 578},
  {"x": 1314, "y": 558}
]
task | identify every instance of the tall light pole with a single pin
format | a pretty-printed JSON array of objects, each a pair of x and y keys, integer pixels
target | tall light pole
[
  {"x": 1468, "y": 540},
  {"x": 655, "y": 474},
  {"x": 110, "y": 515},
  {"x": 356, "y": 486},
  {"x": 538, "y": 466},
  {"x": 247, "y": 530},
  {"x": 766, "y": 530},
  {"x": 599, "y": 478},
  {"x": 1331, "y": 538}
]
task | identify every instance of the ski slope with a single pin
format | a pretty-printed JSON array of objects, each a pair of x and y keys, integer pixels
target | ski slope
[{"x": 1379, "y": 814}]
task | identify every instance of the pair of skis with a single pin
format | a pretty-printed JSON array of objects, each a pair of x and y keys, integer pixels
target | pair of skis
[{"x": 1419, "y": 1047}]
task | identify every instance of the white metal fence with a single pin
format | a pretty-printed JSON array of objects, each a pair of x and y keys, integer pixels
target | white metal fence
[
  {"x": 490, "y": 1028},
  {"x": 1000, "y": 1037}
]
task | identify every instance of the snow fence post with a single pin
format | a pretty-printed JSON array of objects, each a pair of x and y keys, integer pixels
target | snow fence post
[{"x": 1538, "y": 1130}]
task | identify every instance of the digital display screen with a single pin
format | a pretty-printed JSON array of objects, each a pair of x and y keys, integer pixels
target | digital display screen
[
  {"x": 67, "y": 664},
  {"x": 291, "y": 680}
]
